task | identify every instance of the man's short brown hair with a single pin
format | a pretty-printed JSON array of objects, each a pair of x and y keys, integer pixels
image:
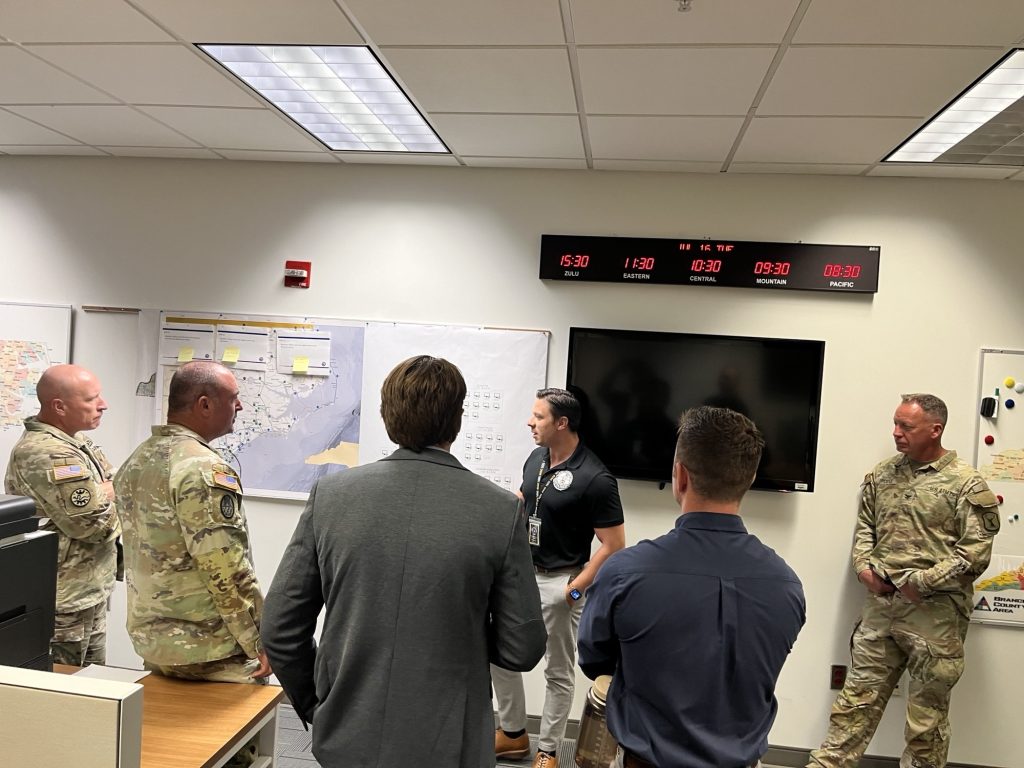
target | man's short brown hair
[
  {"x": 932, "y": 406},
  {"x": 421, "y": 402},
  {"x": 192, "y": 381},
  {"x": 720, "y": 450}
]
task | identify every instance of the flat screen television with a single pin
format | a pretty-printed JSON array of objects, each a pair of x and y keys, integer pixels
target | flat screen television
[{"x": 633, "y": 385}]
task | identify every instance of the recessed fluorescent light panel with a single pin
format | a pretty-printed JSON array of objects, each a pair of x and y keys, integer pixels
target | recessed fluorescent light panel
[
  {"x": 983, "y": 126},
  {"x": 340, "y": 94}
]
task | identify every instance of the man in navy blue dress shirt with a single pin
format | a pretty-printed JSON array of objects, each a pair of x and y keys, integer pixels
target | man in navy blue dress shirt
[{"x": 695, "y": 625}]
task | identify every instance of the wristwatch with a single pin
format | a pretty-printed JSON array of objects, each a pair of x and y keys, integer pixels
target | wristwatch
[{"x": 575, "y": 594}]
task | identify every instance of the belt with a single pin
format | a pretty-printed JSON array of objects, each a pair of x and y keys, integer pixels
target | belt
[
  {"x": 629, "y": 760},
  {"x": 567, "y": 569}
]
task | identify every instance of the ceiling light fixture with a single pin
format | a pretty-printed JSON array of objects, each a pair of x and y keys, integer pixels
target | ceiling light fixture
[
  {"x": 342, "y": 95},
  {"x": 685, "y": 5},
  {"x": 983, "y": 126}
]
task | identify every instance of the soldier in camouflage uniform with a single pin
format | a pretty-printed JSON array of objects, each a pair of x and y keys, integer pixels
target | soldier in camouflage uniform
[
  {"x": 69, "y": 478},
  {"x": 924, "y": 534},
  {"x": 194, "y": 604}
]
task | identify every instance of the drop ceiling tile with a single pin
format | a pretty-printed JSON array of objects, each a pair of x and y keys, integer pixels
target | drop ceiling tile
[
  {"x": 297, "y": 22},
  {"x": 178, "y": 153},
  {"x": 574, "y": 164},
  {"x": 49, "y": 149},
  {"x": 822, "y": 140},
  {"x": 662, "y": 138},
  {"x": 113, "y": 125},
  {"x": 810, "y": 169},
  {"x": 283, "y": 157},
  {"x": 913, "y": 22},
  {"x": 58, "y": 21},
  {"x": 394, "y": 158},
  {"x": 661, "y": 81},
  {"x": 235, "y": 128},
  {"x": 456, "y": 22},
  {"x": 485, "y": 80},
  {"x": 511, "y": 135},
  {"x": 928, "y": 171},
  {"x": 665, "y": 166},
  {"x": 151, "y": 74},
  {"x": 18, "y": 130},
  {"x": 24, "y": 79},
  {"x": 871, "y": 81},
  {"x": 659, "y": 21}
]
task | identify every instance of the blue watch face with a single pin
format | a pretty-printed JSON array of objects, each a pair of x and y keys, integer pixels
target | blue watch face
[{"x": 575, "y": 594}]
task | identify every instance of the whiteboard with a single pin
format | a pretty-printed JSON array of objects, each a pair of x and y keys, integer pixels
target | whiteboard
[
  {"x": 295, "y": 427},
  {"x": 1001, "y": 463},
  {"x": 32, "y": 338}
]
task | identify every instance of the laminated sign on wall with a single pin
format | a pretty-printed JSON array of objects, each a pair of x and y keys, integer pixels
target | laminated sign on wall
[{"x": 310, "y": 391}]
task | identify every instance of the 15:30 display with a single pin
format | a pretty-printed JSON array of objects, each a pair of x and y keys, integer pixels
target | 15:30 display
[{"x": 578, "y": 260}]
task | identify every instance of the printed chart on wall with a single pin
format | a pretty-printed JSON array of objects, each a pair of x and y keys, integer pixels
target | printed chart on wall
[
  {"x": 310, "y": 391},
  {"x": 32, "y": 338},
  {"x": 999, "y": 456}
]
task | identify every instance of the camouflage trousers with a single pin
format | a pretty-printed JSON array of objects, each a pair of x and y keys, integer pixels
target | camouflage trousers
[
  {"x": 926, "y": 639},
  {"x": 80, "y": 637},
  {"x": 234, "y": 669}
]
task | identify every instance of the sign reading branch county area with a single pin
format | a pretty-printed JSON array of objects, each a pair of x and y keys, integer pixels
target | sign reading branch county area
[{"x": 999, "y": 593}]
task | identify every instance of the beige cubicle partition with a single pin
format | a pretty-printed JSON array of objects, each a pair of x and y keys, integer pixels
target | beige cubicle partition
[{"x": 54, "y": 721}]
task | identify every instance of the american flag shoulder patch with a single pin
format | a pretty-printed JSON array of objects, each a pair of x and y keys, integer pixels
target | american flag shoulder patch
[
  {"x": 69, "y": 472},
  {"x": 225, "y": 480}
]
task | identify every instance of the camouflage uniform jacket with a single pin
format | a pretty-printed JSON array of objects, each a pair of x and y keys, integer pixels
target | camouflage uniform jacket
[
  {"x": 192, "y": 590},
  {"x": 64, "y": 474},
  {"x": 930, "y": 525}
]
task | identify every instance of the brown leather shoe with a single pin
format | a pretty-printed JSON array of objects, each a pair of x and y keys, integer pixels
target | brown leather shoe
[
  {"x": 513, "y": 749},
  {"x": 544, "y": 760}
]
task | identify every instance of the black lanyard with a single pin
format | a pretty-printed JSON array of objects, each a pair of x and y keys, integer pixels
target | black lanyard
[{"x": 540, "y": 491}]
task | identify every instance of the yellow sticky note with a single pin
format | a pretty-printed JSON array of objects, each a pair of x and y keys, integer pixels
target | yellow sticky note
[
  {"x": 230, "y": 355},
  {"x": 184, "y": 354},
  {"x": 300, "y": 364}
]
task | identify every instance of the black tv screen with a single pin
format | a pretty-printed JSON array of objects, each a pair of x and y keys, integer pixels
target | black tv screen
[{"x": 633, "y": 386}]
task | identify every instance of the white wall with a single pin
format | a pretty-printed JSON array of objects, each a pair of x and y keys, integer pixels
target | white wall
[{"x": 461, "y": 246}]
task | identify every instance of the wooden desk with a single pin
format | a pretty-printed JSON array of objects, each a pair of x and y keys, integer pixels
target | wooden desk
[{"x": 201, "y": 725}]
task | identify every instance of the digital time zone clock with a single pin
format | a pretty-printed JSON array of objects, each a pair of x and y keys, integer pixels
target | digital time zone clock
[{"x": 722, "y": 263}]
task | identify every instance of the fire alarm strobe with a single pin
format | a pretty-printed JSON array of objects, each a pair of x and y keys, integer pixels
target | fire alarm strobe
[{"x": 296, "y": 274}]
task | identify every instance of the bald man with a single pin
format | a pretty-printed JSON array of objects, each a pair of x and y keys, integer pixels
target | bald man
[{"x": 69, "y": 478}]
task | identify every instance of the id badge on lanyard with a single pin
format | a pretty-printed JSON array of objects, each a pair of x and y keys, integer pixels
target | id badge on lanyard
[{"x": 534, "y": 532}]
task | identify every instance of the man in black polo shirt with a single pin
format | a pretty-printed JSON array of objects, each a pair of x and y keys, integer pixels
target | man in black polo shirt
[
  {"x": 696, "y": 624},
  {"x": 569, "y": 497}
]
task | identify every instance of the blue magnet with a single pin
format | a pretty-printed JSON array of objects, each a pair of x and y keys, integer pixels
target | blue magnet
[{"x": 1009, "y": 403}]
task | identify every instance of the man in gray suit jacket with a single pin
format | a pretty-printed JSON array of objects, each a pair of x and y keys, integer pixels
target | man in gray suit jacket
[{"x": 426, "y": 576}]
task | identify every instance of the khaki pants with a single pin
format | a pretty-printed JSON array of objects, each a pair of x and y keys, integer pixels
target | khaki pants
[{"x": 926, "y": 639}]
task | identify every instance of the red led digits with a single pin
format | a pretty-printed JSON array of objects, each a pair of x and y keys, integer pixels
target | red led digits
[
  {"x": 849, "y": 271},
  {"x": 578, "y": 260},
  {"x": 645, "y": 263},
  {"x": 706, "y": 265},
  {"x": 772, "y": 267}
]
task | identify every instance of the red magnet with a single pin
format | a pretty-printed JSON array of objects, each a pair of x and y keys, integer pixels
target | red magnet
[
  {"x": 999, "y": 498},
  {"x": 989, "y": 439}
]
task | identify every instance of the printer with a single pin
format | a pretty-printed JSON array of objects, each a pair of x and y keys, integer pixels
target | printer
[{"x": 28, "y": 585}]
